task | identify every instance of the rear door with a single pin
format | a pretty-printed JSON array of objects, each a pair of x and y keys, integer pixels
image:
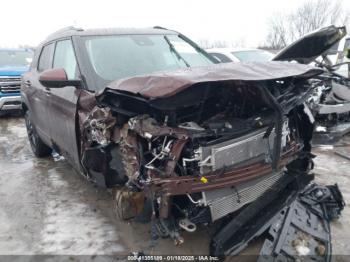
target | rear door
[
  {"x": 37, "y": 94},
  {"x": 63, "y": 104}
]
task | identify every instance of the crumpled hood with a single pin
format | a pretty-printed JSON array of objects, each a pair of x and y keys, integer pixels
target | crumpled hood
[
  {"x": 307, "y": 48},
  {"x": 13, "y": 70},
  {"x": 168, "y": 83}
]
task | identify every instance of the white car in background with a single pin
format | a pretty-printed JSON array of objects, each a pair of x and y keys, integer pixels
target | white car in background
[{"x": 227, "y": 55}]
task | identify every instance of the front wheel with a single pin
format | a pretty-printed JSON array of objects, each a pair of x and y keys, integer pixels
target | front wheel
[{"x": 39, "y": 148}]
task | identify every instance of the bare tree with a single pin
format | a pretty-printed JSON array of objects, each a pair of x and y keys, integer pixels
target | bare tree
[
  {"x": 277, "y": 36},
  {"x": 239, "y": 42},
  {"x": 206, "y": 43},
  {"x": 219, "y": 44},
  {"x": 315, "y": 14},
  {"x": 308, "y": 17}
]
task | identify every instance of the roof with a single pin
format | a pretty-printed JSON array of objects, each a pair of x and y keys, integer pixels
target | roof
[
  {"x": 168, "y": 83},
  {"x": 72, "y": 31}
]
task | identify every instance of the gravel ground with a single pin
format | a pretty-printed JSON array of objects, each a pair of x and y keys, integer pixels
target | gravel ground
[{"x": 47, "y": 208}]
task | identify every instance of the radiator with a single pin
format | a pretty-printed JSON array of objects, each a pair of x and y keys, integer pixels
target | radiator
[{"x": 225, "y": 201}]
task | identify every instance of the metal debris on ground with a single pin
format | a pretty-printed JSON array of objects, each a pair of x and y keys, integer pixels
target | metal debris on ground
[
  {"x": 302, "y": 229},
  {"x": 297, "y": 226}
]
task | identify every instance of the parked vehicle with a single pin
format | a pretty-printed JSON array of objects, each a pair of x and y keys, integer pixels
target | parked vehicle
[
  {"x": 227, "y": 55},
  {"x": 330, "y": 102},
  {"x": 149, "y": 114},
  {"x": 13, "y": 63}
]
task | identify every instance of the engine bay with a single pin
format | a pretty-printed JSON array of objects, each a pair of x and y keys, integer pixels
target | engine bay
[{"x": 199, "y": 155}]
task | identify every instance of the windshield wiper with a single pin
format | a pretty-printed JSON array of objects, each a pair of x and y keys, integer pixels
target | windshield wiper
[
  {"x": 198, "y": 49},
  {"x": 173, "y": 49}
]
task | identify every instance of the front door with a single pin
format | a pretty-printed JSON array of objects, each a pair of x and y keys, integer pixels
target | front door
[{"x": 63, "y": 104}]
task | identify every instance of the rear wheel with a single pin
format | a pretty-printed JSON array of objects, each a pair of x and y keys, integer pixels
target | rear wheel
[{"x": 40, "y": 149}]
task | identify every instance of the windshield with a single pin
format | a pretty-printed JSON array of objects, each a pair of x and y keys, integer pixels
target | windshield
[
  {"x": 253, "y": 56},
  {"x": 120, "y": 56},
  {"x": 15, "y": 58}
]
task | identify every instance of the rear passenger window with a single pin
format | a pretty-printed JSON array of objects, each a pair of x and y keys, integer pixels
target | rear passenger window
[
  {"x": 65, "y": 58},
  {"x": 45, "y": 59}
]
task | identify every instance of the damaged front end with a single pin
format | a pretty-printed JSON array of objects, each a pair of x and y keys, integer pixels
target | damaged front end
[
  {"x": 330, "y": 101},
  {"x": 199, "y": 145},
  {"x": 330, "y": 104}
]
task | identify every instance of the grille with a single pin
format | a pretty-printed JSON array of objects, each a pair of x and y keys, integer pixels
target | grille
[
  {"x": 225, "y": 201},
  {"x": 10, "y": 84}
]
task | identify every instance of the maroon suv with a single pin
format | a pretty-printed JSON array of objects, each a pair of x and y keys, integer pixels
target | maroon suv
[{"x": 151, "y": 115}]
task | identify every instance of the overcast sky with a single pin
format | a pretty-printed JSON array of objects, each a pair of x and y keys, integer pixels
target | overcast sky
[{"x": 30, "y": 21}]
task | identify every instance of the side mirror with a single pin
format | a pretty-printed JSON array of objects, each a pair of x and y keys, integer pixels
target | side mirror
[{"x": 57, "y": 78}]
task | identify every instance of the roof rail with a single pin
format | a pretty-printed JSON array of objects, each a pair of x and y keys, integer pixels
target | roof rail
[
  {"x": 160, "y": 27},
  {"x": 63, "y": 30}
]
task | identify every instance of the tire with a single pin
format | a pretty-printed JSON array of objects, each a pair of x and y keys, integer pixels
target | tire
[{"x": 39, "y": 148}]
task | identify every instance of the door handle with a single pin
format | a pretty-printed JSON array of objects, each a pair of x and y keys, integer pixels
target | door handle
[{"x": 27, "y": 83}]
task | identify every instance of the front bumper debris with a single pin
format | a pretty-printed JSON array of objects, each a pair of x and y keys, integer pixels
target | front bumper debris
[
  {"x": 297, "y": 222},
  {"x": 303, "y": 229},
  {"x": 257, "y": 217}
]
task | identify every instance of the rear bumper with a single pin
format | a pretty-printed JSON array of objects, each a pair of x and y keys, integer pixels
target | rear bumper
[{"x": 10, "y": 103}]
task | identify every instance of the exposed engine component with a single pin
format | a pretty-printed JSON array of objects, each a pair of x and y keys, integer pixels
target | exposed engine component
[
  {"x": 256, "y": 145},
  {"x": 98, "y": 126},
  {"x": 191, "y": 126},
  {"x": 187, "y": 225},
  {"x": 331, "y": 96},
  {"x": 330, "y": 99},
  {"x": 330, "y": 104}
]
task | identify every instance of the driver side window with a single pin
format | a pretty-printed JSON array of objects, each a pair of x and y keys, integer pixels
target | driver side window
[{"x": 65, "y": 58}]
